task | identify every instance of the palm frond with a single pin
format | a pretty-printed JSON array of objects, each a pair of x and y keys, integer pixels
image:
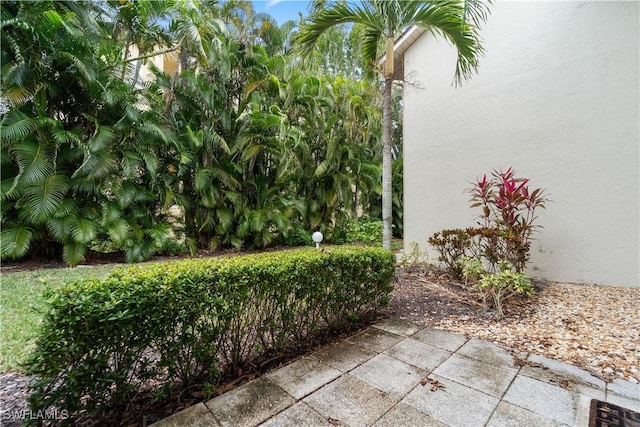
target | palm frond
[
  {"x": 96, "y": 165},
  {"x": 35, "y": 162},
  {"x": 69, "y": 207},
  {"x": 7, "y": 39},
  {"x": 8, "y": 191},
  {"x": 16, "y": 125},
  {"x": 448, "y": 19},
  {"x": 62, "y": 136},
  {"x": 60, "y": 228},
  {"x": 338, "y": 13},
  {"x": 102, "y": 138},
  {"x": 119, "y": 231},
  {"x": 73, "y": 253},
  {"x": 15, "y": 241},
  {"x": 44, "y": 199},
  {"x": 52, "y": 20},
  {"x": 16, "y": 74},
  {"x": 159, "y": 233},
  {"x": 83, "y": 230},
  {"x": 476, "y": 11},
  {"x": 79, "y": 64},
  {"x": 225, "y": 218},
  {"x": 151, "y": 161},
  {"x": 17, "y": 96},
  {"x": 111, "y": 212},
  {"x": 152, "y": 129},
  {"x": 131, "y": 164}
]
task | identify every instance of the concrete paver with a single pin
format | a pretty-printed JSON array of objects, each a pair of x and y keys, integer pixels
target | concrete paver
[
  {"x": 343, "y": 356},
  {"x": 509, "y": 415},
  {"x": 377, "y": 378},
  {"x": 625, "y": 402},
  {"x": 398, "y": 327},
  {"x": 624, "y": 388},
  {"x": 303, "y": 376},
  {"x": 582, "y": 403},
  {"x": 490, "y": 379},
  {"x": 197, "y": 416},
  {"x": 441, "y": 339},
  {"x": 389, "y": 375},
  {"x": 405, "y": 415},
  {"x": 555, "y": 371},
  {"x": 416, "y": 353},
  {"x": 299, "y": 415},
  {"x": 351, "y": 402},
  {"x": 454, "y": 405},
  {"x": 374, "y": 339},
  {"x": 250, "y": 404},
  {"x": 487, "y": 352},
  {"x": 545, "y": 399}
]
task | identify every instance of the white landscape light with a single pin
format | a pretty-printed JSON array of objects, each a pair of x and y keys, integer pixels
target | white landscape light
[{"x": 317, "y": 238}]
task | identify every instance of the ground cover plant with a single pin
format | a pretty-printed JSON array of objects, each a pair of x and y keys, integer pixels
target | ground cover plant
[{"x": 186, "y": 321}]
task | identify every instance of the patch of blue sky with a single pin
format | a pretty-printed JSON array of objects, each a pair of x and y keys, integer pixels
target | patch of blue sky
[{"x": 283, "y": 10}]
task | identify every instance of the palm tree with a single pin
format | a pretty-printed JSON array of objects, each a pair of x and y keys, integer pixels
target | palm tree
[{"x": 384, "y": 20}]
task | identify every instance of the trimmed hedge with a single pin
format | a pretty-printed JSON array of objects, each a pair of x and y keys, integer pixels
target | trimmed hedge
[{"x": 104, "y": 341}]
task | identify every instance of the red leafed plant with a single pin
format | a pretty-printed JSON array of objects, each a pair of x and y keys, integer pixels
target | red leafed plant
[{"x": 508, "y": 208}]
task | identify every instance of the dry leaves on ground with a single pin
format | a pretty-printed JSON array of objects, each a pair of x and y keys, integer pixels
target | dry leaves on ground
[{"x": 596, "y": 328}]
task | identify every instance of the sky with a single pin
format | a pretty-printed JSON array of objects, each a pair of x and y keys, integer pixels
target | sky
[{"x": 282, "y": 10}]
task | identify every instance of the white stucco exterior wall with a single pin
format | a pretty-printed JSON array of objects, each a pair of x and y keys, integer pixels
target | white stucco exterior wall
[{"x": 556, "y": 97}]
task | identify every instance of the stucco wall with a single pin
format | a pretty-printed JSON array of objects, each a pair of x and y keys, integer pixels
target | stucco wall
[{"x": 556, "y": 97}]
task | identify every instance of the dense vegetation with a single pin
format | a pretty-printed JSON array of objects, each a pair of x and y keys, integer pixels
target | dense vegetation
[
  {"x": 257, "y": 146},
  {"x": 164, "y": 325},
  {"x": 382, "y": 22}
]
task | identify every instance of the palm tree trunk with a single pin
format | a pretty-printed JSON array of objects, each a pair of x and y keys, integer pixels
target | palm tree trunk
[{"x": 386, "y": 164}]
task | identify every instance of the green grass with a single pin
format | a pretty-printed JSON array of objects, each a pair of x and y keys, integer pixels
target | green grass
[{"x": 21, "y": 305}]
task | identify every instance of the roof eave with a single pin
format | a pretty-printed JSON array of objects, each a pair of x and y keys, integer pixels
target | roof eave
[{"x": 401, "y": 45}]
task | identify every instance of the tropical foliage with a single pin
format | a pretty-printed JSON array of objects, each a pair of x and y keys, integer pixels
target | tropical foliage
[
  {"x": 254, "y": 146},
  {"x": 79, "y": 157},
  {"x": 380, "y": 23}
]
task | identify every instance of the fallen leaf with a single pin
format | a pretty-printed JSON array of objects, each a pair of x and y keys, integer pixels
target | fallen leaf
[
  {"x": 518, "y": 362},
  {"x": 333, "y": 421},
  {"x": 435, "y": 384}
]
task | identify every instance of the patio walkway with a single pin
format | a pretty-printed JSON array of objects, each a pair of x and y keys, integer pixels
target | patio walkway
[{"x": 398, "y": 374}]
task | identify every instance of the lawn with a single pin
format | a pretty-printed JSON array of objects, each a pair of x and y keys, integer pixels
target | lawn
[{"x": 21, "y": 303}]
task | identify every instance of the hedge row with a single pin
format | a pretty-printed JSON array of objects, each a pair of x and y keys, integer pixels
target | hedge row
[{"x": 103, "y": 341}]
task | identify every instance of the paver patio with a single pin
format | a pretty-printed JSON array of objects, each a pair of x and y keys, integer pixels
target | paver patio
[{"x": 381, "y": 377}]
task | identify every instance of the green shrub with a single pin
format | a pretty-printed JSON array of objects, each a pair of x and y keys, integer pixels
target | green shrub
[
  {"x": 364, "y": 231},
  {"x": 297, "y": 236},
  {"x": 502, "y": 285},
  {"x": 104, "y": 341},
  {"x": 452, "y": 245},
  {"x": 472, "y": 269},
  {"x": 507, "y": 223},
  {"x": 173, "y": 248}
]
